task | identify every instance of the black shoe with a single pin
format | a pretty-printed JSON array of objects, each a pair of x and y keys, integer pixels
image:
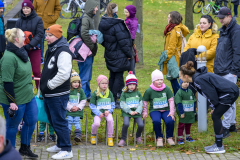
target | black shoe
[
  {"x": 25, "y": 151},
  {"x": 52, "y": 137},
  {"x": 77, "y": 139},
  {"x": 40, "y": 137},
  {"x": 232, "y": 128},
  {"x": 88, "y": 100},
  {"x": 226, "y": 133}
]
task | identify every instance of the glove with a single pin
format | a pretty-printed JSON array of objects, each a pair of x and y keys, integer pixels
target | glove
[
  {"x": 27, "y": 47},
  {"x": 94, "y": 50}
]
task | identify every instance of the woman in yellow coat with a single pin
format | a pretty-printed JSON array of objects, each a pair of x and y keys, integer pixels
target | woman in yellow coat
[
  {"x": 205, "y": 34},
  {"x": 173, "y": 42}
]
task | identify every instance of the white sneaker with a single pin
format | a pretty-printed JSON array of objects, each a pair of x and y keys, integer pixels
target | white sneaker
[
  {"x": 62, "y": 155},
  {"x": 53, "y": 149}
]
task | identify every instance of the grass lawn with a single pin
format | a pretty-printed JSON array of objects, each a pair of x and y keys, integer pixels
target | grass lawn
[{"x": 155, "y": 14}]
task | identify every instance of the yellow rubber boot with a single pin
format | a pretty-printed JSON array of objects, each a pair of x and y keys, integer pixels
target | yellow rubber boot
[
  {"x": 110, "y": 142},
  {"x": 93, "y": 139}
]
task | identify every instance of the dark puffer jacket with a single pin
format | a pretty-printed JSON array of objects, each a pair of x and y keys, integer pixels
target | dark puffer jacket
[
  {"x": 32, "y": 23},
  {"x": 117, "y": 43}
]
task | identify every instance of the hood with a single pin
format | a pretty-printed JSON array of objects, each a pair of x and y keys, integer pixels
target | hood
[
  {"x": 213, "y": 30},
  {"x": 132, "y": 10},
  {"x": 183, "y": 28},
  {"x": 232, "y": 23},
  {"x": 89, "y": 7},
  {"x": 32, "y": 15},
  {"x": 58, "y": 43},
  {"x": 200, "y": 71},
  {"x": 109, "y": 22}
]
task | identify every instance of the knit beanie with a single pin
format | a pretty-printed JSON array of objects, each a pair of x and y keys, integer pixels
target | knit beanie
[
  {"x": 156, "y": 74},
  {"x": 100, "y": 78},
  {"x": 132, "y": 10},
  {"x": 27, "y": 3},
  {"x": 131, "y": 78},
  {"x": 1, "y": 4},
  {"x": 75, "y": 76},
  {"x": 56, "y": 30}
]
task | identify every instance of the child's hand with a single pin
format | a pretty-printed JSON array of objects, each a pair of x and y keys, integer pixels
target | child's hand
[
  {"x": 101, "y": 115},
  {"x": 106, "y": 113},
  {"x": 182, "y": 115},
  {"x": 74, "y": 109},
  {"x": 136, "y": 112},
  {"x": 144, "y": 116},
  {"x": 173, "y": 118},
  {"x": 132, "y": 113}
]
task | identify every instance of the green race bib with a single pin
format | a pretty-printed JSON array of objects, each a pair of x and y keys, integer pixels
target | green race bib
[
  {"x": 132, "y": 102},
  {"x": 104, "y": 103},
  {"x": 159, "y": 103},
  {"x": 73, "y": 99},
  {"x": 188, "y": 105}
]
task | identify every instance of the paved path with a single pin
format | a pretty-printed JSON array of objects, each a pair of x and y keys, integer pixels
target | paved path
[{"x": 102, "y": 152}]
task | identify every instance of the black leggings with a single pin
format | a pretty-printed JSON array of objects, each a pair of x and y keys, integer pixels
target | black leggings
[{"x": 216, "y": 117}]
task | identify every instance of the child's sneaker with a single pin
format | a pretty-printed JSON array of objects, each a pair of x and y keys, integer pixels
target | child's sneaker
[
  {"x": 40, "y": 137},
  {"x": 77, "y": 139},
  {"x": 159, "y": 142},
  {"x": 52, "y": 137},
  {"x": 110, "y": 142},
  {"x": 180, "y": 141},
  {"x": 171, "y": 142},
  {"x": 189, "y": 139},
  {"x": 77, "y": 135},
  {"x": 93, "y": 139},
  {"x": 139, "y": 140},
  {"x": 121, "y": 143}
]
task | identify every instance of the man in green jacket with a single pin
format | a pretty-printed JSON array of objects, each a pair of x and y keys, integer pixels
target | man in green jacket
[{"x": 85, "y": 68}]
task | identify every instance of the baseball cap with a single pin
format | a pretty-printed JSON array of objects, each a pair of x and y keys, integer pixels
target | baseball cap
[{"x": 224, "y": 11}]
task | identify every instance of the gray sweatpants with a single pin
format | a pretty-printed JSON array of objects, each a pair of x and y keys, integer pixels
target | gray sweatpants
[
  {"x": 126, "y": 121},
  {"x": 229, "y": 116}
]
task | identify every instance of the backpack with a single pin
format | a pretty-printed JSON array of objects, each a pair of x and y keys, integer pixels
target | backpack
[
  {"x": 184, "y": 43},
  {"x": 74, "y": 28}
]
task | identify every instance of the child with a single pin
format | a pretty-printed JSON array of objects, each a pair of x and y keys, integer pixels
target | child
[
  {"x": 102, "y": 105},
  {"x": 76, "y": 103},
  {"x": 112, "y": 10},
  {"x": 42, "y": 127},
  {"x": 161, "y": 106},
  {"x": 186, "y": 110},
  {"x": 131, "y": 104}
]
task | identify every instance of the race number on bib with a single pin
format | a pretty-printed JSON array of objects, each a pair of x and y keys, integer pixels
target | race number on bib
[
  {"x": 73, "y": 99},
  {"x": 104, "y": 103},
  {"x": 188, "y": 106},
  {"x": 132, "y": 102},
  {"x": 159, "y": 103}
]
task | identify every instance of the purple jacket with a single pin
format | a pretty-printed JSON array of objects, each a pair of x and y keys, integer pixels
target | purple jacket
[{"x": 132, "y": 21}]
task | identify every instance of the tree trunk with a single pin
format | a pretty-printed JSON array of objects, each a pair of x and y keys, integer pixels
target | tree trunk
[
  {"x": 189, "y": 14},
  {"x": 139, "y": 36},
  {"x": 97, "y": 17}
]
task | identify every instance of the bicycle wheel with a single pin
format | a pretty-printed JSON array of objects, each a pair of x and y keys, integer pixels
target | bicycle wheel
[
  {"x": 206, "y": 9},
  {"x": 68, "y": 11},
  {"x": 198, "y": 5}
]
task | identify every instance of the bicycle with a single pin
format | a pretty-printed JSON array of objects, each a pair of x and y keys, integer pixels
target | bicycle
[
  {"x": 215, "y": 6},
  {"x": 197, "y": 6}
]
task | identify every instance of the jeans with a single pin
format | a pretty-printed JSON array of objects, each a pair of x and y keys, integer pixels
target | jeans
[
  {"x": 116, "y": 83},
  {"x": 35, "y": 59},
  {"x": 156, "y": 120},
  {"x": 42, "y": 127},
  {"x": 42, "y": 46},
  {"x": 56, "y": 111},
  {"x": 85, "y": 73},
  {"x": 75, "y": 120},
  {"x": 126, "y": 121},
  {"x": 175, "y": 85},
  {"x": 28, "y": 112}
]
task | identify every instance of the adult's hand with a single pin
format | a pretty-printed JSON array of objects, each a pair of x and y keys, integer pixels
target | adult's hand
[{"x": 13, "y": 106}]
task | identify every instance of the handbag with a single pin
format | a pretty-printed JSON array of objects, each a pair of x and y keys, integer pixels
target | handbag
[{"x": 42, "y": 115}]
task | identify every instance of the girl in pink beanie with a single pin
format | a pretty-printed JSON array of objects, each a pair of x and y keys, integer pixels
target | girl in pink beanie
[
  {"x": 102, "y": 105},
  {"x": 161, "y": 107}
]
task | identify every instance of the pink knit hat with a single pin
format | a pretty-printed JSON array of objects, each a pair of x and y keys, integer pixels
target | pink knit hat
[
  {"x": 27, "y": 3},
  {"x": 100, "y": 78},
  {"x": 156, "y": 74}
]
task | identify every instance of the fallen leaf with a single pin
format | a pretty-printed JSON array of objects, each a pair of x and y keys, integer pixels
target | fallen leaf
[
  {"x": 34, "y": 145},
  {"x": 152, "y": 148},
  {"x": 149, "y": 145},
  {"x": 197, "y": 138},
  {"x": 136, "y": 146},
  {"x": 132, "y": 149},
  {"x": 147, "y": 148},
  {"x": 189, "y": 152}
]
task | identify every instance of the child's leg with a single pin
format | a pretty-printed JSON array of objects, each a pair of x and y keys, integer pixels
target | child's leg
[
  {"x": 95, "y": 125},
  {"x": 51, "y": 130},
  {"x": 156, "y": 120},
  {"x": 169, "y": 123},
  {"x": 77, "y": 123},
  {"x": 42, "y": 127},
  {"x": 187, "y": 129},
  {"x": 180, "y": 129},
  {"x": 70, "y": 122},
  {"x": 140, "y": 126},
  {"x": 110, "y": 124},
  {"x": 125, "y": 126}
]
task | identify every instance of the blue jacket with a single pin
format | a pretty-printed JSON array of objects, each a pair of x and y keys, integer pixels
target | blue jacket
[
  {"x": 172, "y": 66},
  {"x": 9, "y": 152}
]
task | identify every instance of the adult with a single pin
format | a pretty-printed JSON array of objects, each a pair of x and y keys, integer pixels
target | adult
[
  {"x": 2, "y": 37},
  {"x": 55, "y": 87},
  {"x": 173, "y": 42},
  {"x": 49, "y": 11},
  {"x": 227, "y": 61},
  {"x": 30, "y": 22},
  {"x": 235, "y": 8},
  {"x": 85, "y": 68},
  {"x": 220, "y": 93},
  {"x": 118, "y": 50},
  {"x": 205, "y": 34},
  {"x": 6, "y": 149},
  {"x": 16, "y": 90}
]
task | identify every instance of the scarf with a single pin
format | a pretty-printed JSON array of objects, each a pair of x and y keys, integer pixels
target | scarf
[
  {"x": 169, "y": 27},
  {"x": 1, "y": 27},
  {"x": 158, "y": 89},
  {"x": 106, "y": 94},
  {"x": 20, "y": 52}
]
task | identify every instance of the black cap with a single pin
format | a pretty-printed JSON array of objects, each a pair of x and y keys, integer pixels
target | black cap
[{"x": 224, "y": 11}]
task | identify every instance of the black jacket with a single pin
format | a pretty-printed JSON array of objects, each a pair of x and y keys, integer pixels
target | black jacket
[
  {"x": 9, "y": 152},
  {"x": 227, "y": 56},
  {"x": 2, "y": 41},
  {"x": 189, "y": 55},
  {"x": 117, "y": 43},
  {"x": 32, "y": 23},
  {"x": 215, "y": 88}
]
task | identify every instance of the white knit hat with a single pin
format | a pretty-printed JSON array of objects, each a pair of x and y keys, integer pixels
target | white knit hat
[
  {"x": 156, "y": 74},
  {"x": 131, "y": 78}
]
